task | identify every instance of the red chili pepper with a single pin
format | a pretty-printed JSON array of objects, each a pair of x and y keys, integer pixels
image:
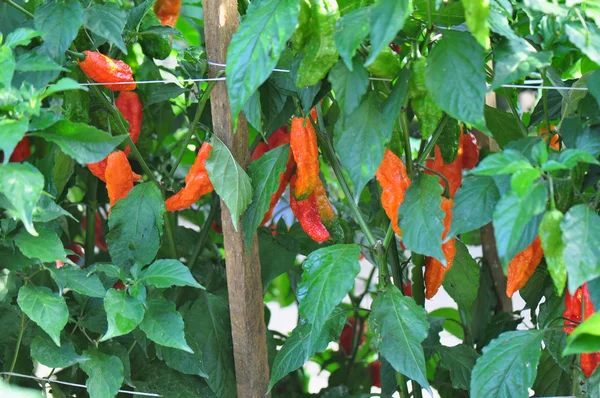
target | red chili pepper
[
  {"x": 22, "y": 151},
  {"x": 119, "y": 286},
  {"x": 375, "y": 368},
  {"x": 130, "y": 106},
  {"x": 407, "y": 288},
  {"x": 303, "y": 141},
  {"x": 103, "y": 69},
  {"x": 261, "y": 149},
  {"x": 99, "y": 237},
  {"x": 470, "y": 150},
  {"x": 452, "y": 171},
  {"x": 572, "y": 313},
  {"x": 216, "y": 227},
  {"x": 307, "y": 213},
  {"x": 347, "y": 336},
  {"x": 589, "y": 361},
  {"x": 119, "y": 177}
]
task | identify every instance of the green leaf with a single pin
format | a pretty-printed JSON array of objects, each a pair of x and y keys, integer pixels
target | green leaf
[
  {"x": 394, "y": 103},
  {"x": 421, "y": 218},
  {"x": 360, "y": 146},
  {"x": 553, "y": 246},
  {"x": 581, "y": 235},
  {"x": 123, "y": 313},
  {"x": 586, "y": 38},
  {"x": 504, "y": 126},
  {"x": 13, "y": 391},
  {"x": 455, "y": 77},
  {"x": 508, "y": 365},
  {"x": 21, "y": 37},
  {"x": 105, "y": 374},
  {"x": 107, "y": 21},
  {"x": 567, "y": 159},
  {"x": 576, "y": 136},
  {"x": 46, "y": 247},
  {"x": 181, "y": 361},
  {"x": 303, "y": 343},
  {"x": 476, "y": 15},
  {"x": 515, "y": 59},
  {"x": 84, "y": 143},
  {"x": 265, "y": 174},
  {"x": 167, "y": 273},
  {"x": 76, "y": 279},
  {"x": 551, "y": 380},
  {"x": 8, "y": 66},
  {"x": 521, "y": 180},
  {"x": 48, "y": 354},
  {"x": 209, "y": 329},
  {"x": 462, "y": 280},
  {"x": 387, "y": 18},
  {"x": 275, "y": 257},
  {"x": 459, "y": 360},
  {"x": 399, "y": 327},
  {"x": 571, "y": 103},
  {"x": 60, "y": 21},
  {"x": 63, "y": 84},
  {"x": 259, "y": 41},
  {"x": 160, "y": 379},
  {"x": 164, "y": 325},
  {"x": 135, "y": 224},
  {"x": 585, "y": 337},
  {"x": 48, "y": 210},
  {"x": 474, "y": 204},
  {"x": 328, "y": 274},
  {"x": 13, "y": 131},
  {"x": 508, "y": 161},
  {"x": 35, "y": 61},
  {"x": 231, "y": 182},
  {"x": 21, "y": 185},
  {"x": 594, "y": 84},
  {"x": 164, "y": 92},
  {"x": 46, "y": 308},
  {"x": 350, "y": 31},
  {"x": 349, "y": 85},
  {"x": 511, "y": 217}
]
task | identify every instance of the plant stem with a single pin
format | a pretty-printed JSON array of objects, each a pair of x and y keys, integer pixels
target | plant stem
[
  {"x": 389, "y": 236},
  {"x": 396, "y": 268},
  {"x": 417, "y": 278},
  {"x": 214, "y": 205},
  {"x": 193, "y": 126},
  {"x": 18, "y": 7},
  {"x": 446, "y": 192},
  {"x": 170, "y": 237},
  {"x": 513, "y": 110},
  {"x": 416, "y": 390},
  {"x": 90, "y": 215},
  {"x": 18, "y": 345},
  {"x": 431, "y": 143},
  {"x": 406, "y": 139},
  {"x": 551, "y": 188},
  {"x": 546, "y": 113},
  {"x": 401, "y": 381}
]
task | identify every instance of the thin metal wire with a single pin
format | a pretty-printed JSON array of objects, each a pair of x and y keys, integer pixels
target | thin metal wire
[
  {"x": 208, "y": 79},
  {"x": 145, "y": 394}
]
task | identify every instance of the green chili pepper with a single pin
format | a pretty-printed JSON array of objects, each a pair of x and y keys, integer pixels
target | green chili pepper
[
  {"x": 428, "y": 113},
  {"x": 552, "y": 244},
  {"x": 154, "y": 45},
  {"x": 76, "y": 103},
  {"x": 320, "y": 53},
  {"x": 302, "y": 32},
  {"x": 449, "y": 141},
  {"x": 563, "y": 190},
  {"x": 386, "y": 64}
]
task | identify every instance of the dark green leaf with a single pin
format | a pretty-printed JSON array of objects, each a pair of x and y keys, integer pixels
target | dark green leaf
[
  {"x": 164, "y": 325},
  {"x": 350, "y": 31},
  {"x": 20, "y": 188},
  {"x": 59, "y": 21},
  {"x": 585, "y": 38},
  {"x": 13, "y": 131},
  {"x": 399, "y": 327},
  {"x": 387, "y": 18},
  {"x": 48, "y": 210},
  {"x": 421, "y": 218},
  {"x": 76, "y": 279},
  {"x": 259, "y": 41},
  {"x": 184, "y": 362},
  {"x": 474, "y": 204},
  {"x": 359, "y": 146},
  {"x": 84, "y": 143},
  {"x": 508, "y": 365},
  {"x": 105, "y": 374},
  {"x": 35, "y": 61},
  {"x": 349, "y": 85},
  {"x": 135, "y": 224},
  {"x": 123, "y": 312},
  {"x": 514, "y": 59},
  {"x": 594, "y": 84},
  {"x": 567, "y": 159},
  {"x": 462, "y": 280},
  {"x": 393, "y": 105},
  {"x": 164, "y": 92},
  {"x": 46, "y": 247},
  {"x": 581, "y": 235},
  {"x": 21, "y": 37},
  {"x": 231, "y": 182},
  {"x": 503, "y": 126},
  {"x": 576, "y": 136},
  {"x": 551, "y": 380},
  {"x": 456, "y": 79},
  {"x": 48, "y": 354},
  {"x": 167, "y": 273},
  {"x": 107, "y": 21},
  {"x": 160, "y": 379},
  {"x": 459, "y": 360},
  {"x": 328, "y": 276},
  {"x": 46, "y": 308},
  {"x": 275, "y": 258}
]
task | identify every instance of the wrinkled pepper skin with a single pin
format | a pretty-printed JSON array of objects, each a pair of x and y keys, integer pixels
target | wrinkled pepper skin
[
  {"x": 452, "y": 171},
  {"x": 154, "y": 45},
  {"x": 550, "y": 135},
  {"x": 22, "y": 151},
  {"x": 470, "y": 151},
  {"x": 327, "y": 212},
  {"x": 449, "y": 141},
  {"x": 320, "y": 53},
  {"x": 428, "y": 113},
  {"x": 307, "y": 213},
  {"x": 434, "y": 269},
  {"x": 260, "y": 149},
  {"x": 197, "y": 183},
  {"x": 386, "y": 65},
  {"x": 394, "y": 182},
  {"x": 103, "y": 69},
  {"x": 167, "y": 11},
  {"x": 572, "y": 313},
  {"x": 552, "y": 244},
  {"x": 303, "y": 142},
  {"x": 302, "y": 33},
  {"x": 99, "y": 170},
  {"x": 523, "y": 266},
  {"x": 130, "y": 106},
  {"x": 589, "y": 361},
  {"x": 119, "y": 176}
]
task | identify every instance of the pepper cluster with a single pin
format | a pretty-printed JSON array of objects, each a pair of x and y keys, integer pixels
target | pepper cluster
[{"x": 573, "y": 316}]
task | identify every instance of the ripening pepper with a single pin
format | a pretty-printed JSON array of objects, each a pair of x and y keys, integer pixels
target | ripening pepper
[
  {"x": 327, "y": 212},
  {"x": 375, "y": 368},
  {"x": 573, "y": 316},
  {"x": 347, "y": 336},
  {"x": 261, "y": 149},
  {"x": 553, "y": 245},
  {"x": 307, "y": 213},
  {"x": 434, "y": 269},
  {"x": 572, "y": 313},
  {"x": 119, "y": 176},
  {"x": 197, "y": 183},
  {"x": 22, "y": 151},
  {"x": 470, "y": 151},
  {"x": 425, "y": 108},
  {"x": 130, "y": 106},
  {"x": 154, "y": 45},
  {"x": 386, "y": 65},
  {"x": 394, "y": 182},
  {"x": 523, "y": 266},
  {"x": 303, "y": 142},
  {"x": 552, "y": 136},
  {"x": 452, "y": 171},
  {"x": 589, "y": 361},
  {"x": 75, "y": 248},
  {"x": 167, "y": 11},
  {"x": 103, "y": 69},
  {"x": 99, "y": 170}
]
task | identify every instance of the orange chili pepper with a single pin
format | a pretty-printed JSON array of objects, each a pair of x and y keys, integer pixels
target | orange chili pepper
[
  {"x": 303, "y": 142},
  {"x": 307, "y": 213},
  {"x": 103, "y": 69},
  {"x": 452, "y": 171},
  {"x": 523, "y": 266},
  {"x": 197, "y": 183},
  {"x": 130, "y": 106},
  {"x": 167, "y": 11},
  {"x": 119, "y": 176},
  {"x": 554, "y": 137},
  {"x": 394, "y": 182},
  {"x": 434, "y": 269},
  {"x": 99, "y": 170}
]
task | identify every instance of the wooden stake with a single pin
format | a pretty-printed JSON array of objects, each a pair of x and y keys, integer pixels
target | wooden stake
[{"x": 244, "y": 285}]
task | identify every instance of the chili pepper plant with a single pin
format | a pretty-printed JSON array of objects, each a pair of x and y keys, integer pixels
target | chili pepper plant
[{"x": 392, "y": 158}]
